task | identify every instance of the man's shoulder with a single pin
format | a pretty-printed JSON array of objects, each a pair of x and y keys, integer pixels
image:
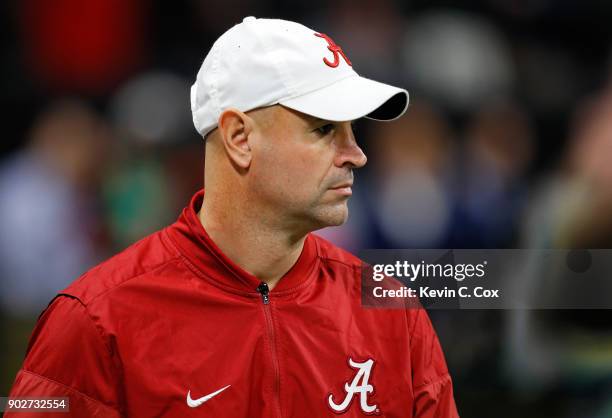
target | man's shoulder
[
  {"x": 334, "y": 255},
  {"x": 142, "y": 257}
]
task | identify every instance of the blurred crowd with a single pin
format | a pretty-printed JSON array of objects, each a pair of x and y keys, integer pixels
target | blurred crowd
[{"x": 507, "y": 144}]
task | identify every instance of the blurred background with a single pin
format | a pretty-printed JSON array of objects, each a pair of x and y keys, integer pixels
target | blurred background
[{"x": 507, "y": 144}]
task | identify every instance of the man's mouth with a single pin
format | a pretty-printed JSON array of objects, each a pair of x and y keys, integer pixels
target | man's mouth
[{"x": 344, "y": 188}]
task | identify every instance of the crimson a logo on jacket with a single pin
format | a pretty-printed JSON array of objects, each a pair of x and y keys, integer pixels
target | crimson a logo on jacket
[{"x": 171, "y": 327}]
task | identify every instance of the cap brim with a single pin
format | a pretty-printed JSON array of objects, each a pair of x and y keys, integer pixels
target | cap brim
[{"x": 352, "y": 98}]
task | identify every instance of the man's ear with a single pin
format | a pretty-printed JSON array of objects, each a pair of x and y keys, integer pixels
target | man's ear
[{"x": 234, "y": 129}]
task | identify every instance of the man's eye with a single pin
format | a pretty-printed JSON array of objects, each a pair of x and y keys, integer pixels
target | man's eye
[{"x": 325, "y": 129}]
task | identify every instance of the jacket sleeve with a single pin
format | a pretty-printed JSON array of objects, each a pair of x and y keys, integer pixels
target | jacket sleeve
[
  {"x": 67, "y": 356},
  {"x": 432, "y": 384}
]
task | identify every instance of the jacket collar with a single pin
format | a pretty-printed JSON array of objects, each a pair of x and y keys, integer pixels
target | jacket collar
[{"x": 192, "y": 241}]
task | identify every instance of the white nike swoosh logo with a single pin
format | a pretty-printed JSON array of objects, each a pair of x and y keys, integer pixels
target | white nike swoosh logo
[{"x": 194, "y": 403}]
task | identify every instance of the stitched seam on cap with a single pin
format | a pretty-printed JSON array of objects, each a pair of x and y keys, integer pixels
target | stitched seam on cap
[
  {"x": 278, "y": 65},
  {"x": 285, "y": 74},
  {"x": 214, "y": 68}
]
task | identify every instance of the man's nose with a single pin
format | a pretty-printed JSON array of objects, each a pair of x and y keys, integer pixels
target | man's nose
[{"x": 348, "y": 152}]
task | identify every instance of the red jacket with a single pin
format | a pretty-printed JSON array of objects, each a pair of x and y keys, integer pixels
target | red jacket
[{"x": 171, "y": 327}]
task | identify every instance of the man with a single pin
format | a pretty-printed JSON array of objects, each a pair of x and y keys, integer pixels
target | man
[{"x": 236, "y": 310}]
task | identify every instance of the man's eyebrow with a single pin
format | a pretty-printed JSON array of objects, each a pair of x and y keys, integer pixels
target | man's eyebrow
[{"x": 315, "y": 119}]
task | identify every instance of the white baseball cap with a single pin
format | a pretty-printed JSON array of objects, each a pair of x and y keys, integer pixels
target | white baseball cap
[{"x": 262, "y": 62}]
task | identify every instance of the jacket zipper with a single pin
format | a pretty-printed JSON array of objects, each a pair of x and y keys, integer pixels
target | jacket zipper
[{"x": 265, "y": 298}]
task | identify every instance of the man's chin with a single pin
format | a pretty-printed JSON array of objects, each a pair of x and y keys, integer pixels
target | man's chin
[
  {"x": 335, "y": 217},
  {"x": 326, "y": 215}
]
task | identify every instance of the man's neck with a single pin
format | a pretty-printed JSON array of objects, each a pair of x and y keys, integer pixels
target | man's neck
[{"x": 267, "y": 253}]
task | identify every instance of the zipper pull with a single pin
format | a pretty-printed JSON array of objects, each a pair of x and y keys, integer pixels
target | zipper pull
[{"x": 265, "y": 292}]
